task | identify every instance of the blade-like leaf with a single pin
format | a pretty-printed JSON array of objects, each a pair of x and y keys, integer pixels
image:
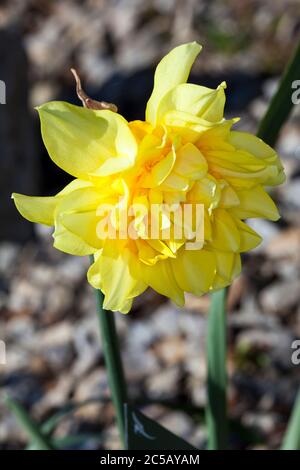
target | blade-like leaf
[
  {"x": 50, "y": 424},
  {"x": 70, "y": 441},
  {"x": 216, "y": 410},
  {"x": 291, "y": 439},
  {"x": 281, "y": 104},
  {"x": 41, "y": 441},
  {"x": 276, "y": 115},
  {"x": 142, "y": 433}
]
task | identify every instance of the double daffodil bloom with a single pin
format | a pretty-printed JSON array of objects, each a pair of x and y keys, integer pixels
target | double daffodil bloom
[{"x": 185, "y": 152}]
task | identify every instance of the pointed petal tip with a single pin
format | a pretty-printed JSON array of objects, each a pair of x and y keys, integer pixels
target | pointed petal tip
[
  {"x": 192, "y": 46},
  {"x": 195, "y": 44},
  {"x": 189, "y": 44},
  {"x": 222, "y": 85}
]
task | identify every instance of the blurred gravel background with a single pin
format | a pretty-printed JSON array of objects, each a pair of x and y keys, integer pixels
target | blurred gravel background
[{"x": 47, "y": 310}]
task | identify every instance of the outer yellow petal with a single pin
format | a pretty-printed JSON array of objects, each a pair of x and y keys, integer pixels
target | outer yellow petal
[
  {"x": 195, "y": 129},
  {"x": 75, "y": 184},
  {"x": 255, "y": 146},
  {"x": 161, "y": 278},
  {"x": 68, "y": 242},
  {"x": 147, "y": 254},
  {"x": 77, "y": 212},
  {"x": 172, "y": 70},
  {"x": 225, "y": 235},
  {"x": 194, "y": 271},
  {"x": 84, "y": 199},
  {"x": 36, "y": 209},
  {"x": 69, "y": 236},
  {"x": 198, "y": 100},
  {"x": 205, "y": 191},
  {"x": 84, "y": 226},
  {"x": 228, "y": 268},
  {"x": 84, "y": 142},
  {"x": 240, "y": 167},
  {"x": 255, "y": 202},
  {"x": 249, "y": 238},
  {"x": 41, "y": 209},
  {"x": 243, "y": 178},
  {"x": 229, "y": 197},
  {"x": 116, "y": 274}
]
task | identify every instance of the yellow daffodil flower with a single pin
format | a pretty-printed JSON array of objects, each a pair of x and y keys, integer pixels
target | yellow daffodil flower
[{"x": 184, "y": 153}]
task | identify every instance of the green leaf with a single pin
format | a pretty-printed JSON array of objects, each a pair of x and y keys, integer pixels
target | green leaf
[
  {"x": 41, "y": 441},
  {"x": 50, "y": 424},
  {"x": 216, "y": 410},
  {"x": 281, "y": 103},
  {"x": 276, "y": 115},
  {"x": 291, "y": 439},
  {"x": 113, "y": 360},
  {"x": 62, "y": 443},
  {"x": 142, "y": 433}
]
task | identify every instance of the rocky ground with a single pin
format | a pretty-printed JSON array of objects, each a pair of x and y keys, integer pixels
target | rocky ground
[{"x": 47, "y": 310}]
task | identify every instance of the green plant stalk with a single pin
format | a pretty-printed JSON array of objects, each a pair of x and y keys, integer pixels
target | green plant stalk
[
  {"x": 216, "y": 410},
  {"x": 40, "y": 440},
  {"x": 274, "y": 118},
  {"x": 269, "y": 128},
  {"x": 281, "y": 103},
  {"x": 113, "y": 362},
  {"x": 291, "y": 440}
]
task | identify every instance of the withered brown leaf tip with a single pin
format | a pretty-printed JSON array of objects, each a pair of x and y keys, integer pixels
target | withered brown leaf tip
[{"x": 89, "y": 102}]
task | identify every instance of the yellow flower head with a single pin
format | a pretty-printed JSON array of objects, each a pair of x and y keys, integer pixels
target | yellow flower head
[{"x": 183, "y": 156}]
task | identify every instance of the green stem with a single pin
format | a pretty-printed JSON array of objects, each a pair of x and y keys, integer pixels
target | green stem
[
  {"x": 39, "y": 439},
  {"x": 276, "y": 115},
  {"x": 113, "y": 362},
  {"x": 216, "y": 410},
  {"x": 291, "y": 440},
  {"x": 281, "y": 103}
]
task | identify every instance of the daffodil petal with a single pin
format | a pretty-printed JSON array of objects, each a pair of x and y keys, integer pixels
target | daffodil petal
[
  {"x": 160, "y": 247},
  {"x": 228, "y": 268},
  {"x": 36, "y": 209},
  {"x": 190, "y": 162},
  {"x": 225, "y": 235},
  {"x": 255, "y": 146},
  {"x": 84, "y": 226},
  {"x": 175, "y": 182},
  {"x": 161, "y": 278},
  {"x": 41, "y": 209},
  {"x": 86, "y": 142},
  {"x": 159, "y": 172},
  {"x": 172, "y": 70},
  {"x": 194, "y": 271},
  {"x": 147, "y": 254},
  {"x": 115, "y": 273},
  {"x": 84, "y": 199},
  {"x": 229, "y": 197},
  {"x": 249, "y": 239},
  {"x": 75, "y": 184},
  {"x": 255, "y": 202},
  {"x": 79, "y": 213},
  {"x": 68, "y": 242},
  {"x": 188, "y": 126},
  {"x": 198, "y": 100},
  {"x": 205, "y": 191}
]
